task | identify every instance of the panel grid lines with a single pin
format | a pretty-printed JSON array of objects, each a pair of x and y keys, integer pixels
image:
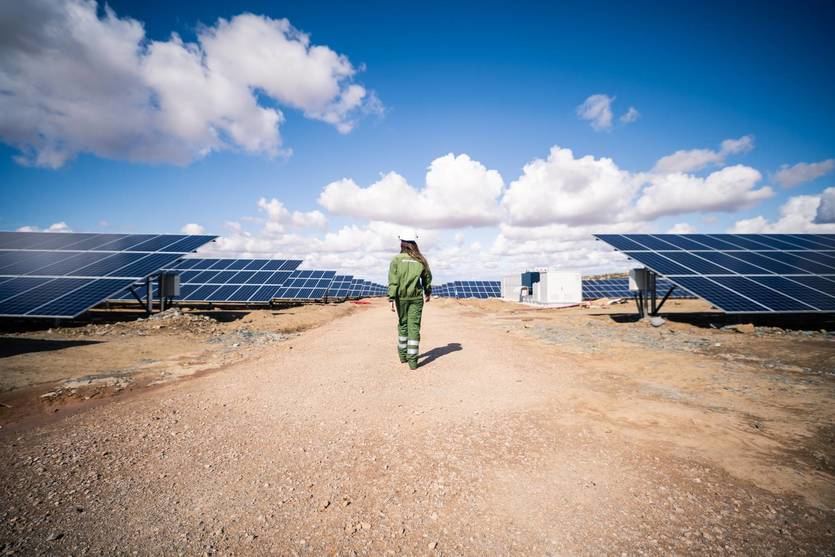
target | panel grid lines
[
  {"x": 481, "y": 289},
  {"x": 742, "y": 273},
  {"x": 228, "y": 280},
  {"x": 59, "y": 275}
]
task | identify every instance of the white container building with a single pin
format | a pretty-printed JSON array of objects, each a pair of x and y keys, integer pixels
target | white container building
[
  {"x": 512, "y": 287},
  {"x": 558, "y": 288}
]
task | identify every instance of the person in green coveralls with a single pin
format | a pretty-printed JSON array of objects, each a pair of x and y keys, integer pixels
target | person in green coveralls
[{"x": 410, "y": 283}]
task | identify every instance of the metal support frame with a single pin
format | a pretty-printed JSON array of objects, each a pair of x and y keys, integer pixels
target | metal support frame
[
  {"x": 647, "y": 299},
  {"x": 149, "y": 298},
  {"x": 139, "y": 299},
  {"x": 653, "y": 309},
  {"x": 639, "y": 302},
  {"x": 161, "y": 297},
  {"x": 664, "y": 299}
]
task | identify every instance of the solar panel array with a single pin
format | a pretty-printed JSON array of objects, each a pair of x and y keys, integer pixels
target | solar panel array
[
  {"x": 226, "y": 280},
  {"x": 305, "y": 285},
  {"x": 618, "y": 287},
  {"x": 742, "y": 273},
  {"x": 469, "y": 289},
  {"x": 340, "y": 287},
  {"x": 257, "y": 281},
  {"x": 61, "y": 275},
  {"x": 366, "y": 289}
]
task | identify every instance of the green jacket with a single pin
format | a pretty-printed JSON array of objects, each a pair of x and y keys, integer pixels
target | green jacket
[{"x": 408, "y": 279}]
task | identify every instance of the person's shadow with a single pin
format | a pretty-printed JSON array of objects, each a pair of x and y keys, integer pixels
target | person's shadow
[{"x": 435, "y": 353}]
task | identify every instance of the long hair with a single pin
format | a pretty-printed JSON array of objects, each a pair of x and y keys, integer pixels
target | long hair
[{"x": 412, "y": 250}]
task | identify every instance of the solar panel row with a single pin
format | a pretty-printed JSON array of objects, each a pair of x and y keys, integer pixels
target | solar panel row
[
  {"x": 745, "y": 273},
  {"x": 175, "y": 243},
  {"x": 340, "y": 288},
  {"x": 469, "y": 289},
  {"x": 366, "y": 289},
  {"x": 225, "y": 280},
  {"x": 306, "y": 285},
  {"x": 594, "y": 289},
  {"x": 258, "y": 281},
  {"x": 62, "y": 275}
]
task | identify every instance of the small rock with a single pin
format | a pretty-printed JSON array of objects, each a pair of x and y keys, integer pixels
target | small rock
[
  {"x": 433, "y": 545},
  {"x": 365, "y": 525},
  {"x": 54, "y": 536}
]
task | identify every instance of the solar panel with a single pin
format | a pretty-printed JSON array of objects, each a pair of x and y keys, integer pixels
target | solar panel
[
  {"x": 306, "y": 285},
  {"x": 481, "y": 289},
  {"x": 60, "y": 275},
  {"x": 340, "y": 287},
  {"x": 742, "y": 273},
  {"x": 618, "y": 287},
  {"x": 238, "y": 281}
]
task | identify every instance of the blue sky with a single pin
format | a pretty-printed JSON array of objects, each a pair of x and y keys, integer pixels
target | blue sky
[{"x": 498, "y": 81}]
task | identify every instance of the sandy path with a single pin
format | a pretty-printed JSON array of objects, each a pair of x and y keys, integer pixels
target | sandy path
[{"x": 327, "y": 444}]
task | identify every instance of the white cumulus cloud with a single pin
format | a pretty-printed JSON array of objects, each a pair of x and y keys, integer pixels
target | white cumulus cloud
[
  {"x": 727, "y": 190},
  {"x": 567, "y": 190},
  {"x": 73, "y": 82},
  {"x": 826, "y": 210},
  {"x": 279, "y": 217},
  {"x": 459, "y": 192},
  {"x": 692, "y": 160},
  {"x": 797, "y": 215},
  {"x": 802, "y": 172}
]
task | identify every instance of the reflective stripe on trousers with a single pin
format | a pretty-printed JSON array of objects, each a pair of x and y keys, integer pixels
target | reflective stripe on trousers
[{"x": 409, "y": 313}]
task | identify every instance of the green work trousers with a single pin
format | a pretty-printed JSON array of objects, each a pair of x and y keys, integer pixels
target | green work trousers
[{"x": 408, "y": 329}]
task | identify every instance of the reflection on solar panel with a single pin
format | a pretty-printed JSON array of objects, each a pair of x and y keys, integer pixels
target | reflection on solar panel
[
  {"x": 62, "y": 275},
  {"x": 239, "y": 281},
  {"x": 594, "y": 289},
  {"x": 742, "y": 273},
  {"x": 469, "y": 289}
]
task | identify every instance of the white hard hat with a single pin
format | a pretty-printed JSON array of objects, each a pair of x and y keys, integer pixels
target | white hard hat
[{"x": 408, "y": 236}]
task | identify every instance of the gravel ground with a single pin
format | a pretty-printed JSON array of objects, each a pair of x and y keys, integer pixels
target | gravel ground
[{"x": 499, "y": 444}]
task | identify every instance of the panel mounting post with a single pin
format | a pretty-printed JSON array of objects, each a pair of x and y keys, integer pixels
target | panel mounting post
[
  {"x": 149, "y": 296},
  {"x": 161, "y": 297},
  {"x": 651, "y": 294}
]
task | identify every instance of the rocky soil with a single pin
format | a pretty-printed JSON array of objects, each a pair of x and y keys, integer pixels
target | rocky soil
[{"x": 524, "y": 432}]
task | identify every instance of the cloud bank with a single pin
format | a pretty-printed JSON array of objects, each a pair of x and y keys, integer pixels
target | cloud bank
[
  {"x": 74, "y": 82},
  {"x": 458, "y": 192}
]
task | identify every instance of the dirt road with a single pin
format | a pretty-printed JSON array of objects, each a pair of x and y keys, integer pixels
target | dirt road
[{"x": 501, "y": 443}]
